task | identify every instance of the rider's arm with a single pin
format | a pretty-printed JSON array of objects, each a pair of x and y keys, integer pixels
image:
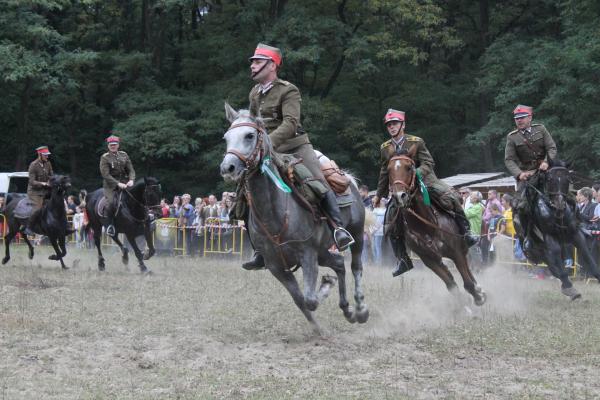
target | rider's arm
[
  {"x": 34, "y": 176},
  {"x": 426, "y": 163},
  {"x": 290, "y": 114},
  {"x": 383, "y": 187},
  {"x": 105, "y": 172},
  {"x": 130, "y": 169},
  {"x": 511, "y": 159},
  {"x": 550, "y": 146}
]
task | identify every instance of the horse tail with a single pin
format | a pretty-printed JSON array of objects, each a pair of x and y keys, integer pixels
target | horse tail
[{"x": 353, "y": 179}]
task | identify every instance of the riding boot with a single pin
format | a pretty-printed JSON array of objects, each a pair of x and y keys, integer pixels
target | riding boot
[
  {"x": 465, "y": 228},
  {"x": 341, "y": 236},
  {"x": 404, "y": 262},
  {"x": 258, "y": 261},
  {"x": 110, "y": 219}
]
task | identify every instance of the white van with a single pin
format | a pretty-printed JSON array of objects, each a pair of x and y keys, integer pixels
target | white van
[{"x": 13, "y": 182}]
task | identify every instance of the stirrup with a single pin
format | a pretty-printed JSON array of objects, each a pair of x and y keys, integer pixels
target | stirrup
[
  {"x": 110, "y": 230},
  {"x": 342, "y": 247}
]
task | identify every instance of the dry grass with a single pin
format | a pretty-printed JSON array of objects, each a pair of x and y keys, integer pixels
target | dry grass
[{"x": 207, "y": 329}]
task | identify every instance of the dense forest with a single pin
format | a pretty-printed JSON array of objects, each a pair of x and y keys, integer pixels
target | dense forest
[{"x": 157, "y": 72}]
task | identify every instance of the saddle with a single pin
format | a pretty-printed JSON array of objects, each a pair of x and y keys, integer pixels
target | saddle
[
  {"x": 101, "y": 207},
  {"x": 24, "y": 208}
]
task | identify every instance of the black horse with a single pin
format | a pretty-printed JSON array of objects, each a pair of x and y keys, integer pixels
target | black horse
[
  {"x": 52, "y": 221},
  {"x": 554, "y": 224},
  {"x": 132, "y": 218}
]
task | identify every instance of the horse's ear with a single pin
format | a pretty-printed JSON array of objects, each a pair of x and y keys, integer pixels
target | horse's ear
[
  {"x": 230, "y": 113},
  {"x": 412, "y": 152}
]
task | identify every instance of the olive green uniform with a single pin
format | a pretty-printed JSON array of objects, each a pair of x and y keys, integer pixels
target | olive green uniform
[
  {"x": 39, "y": 173},
  {"x": 425, "y": 165},
  {"x": 525, "y": 151},
  {"x": 279, "y": 108},
  {"x": 115, "y": 168}
]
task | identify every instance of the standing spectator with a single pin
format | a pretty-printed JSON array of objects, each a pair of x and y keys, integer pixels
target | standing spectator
[
  {"x": 185, "y": 220},
  {"x": 475, "y": 213},
  {"x": 506, "y": 227},
  {"x": 198, "y": 221},
  {"x": 363, "y": 190},
  {"x": 587, "y": 210},
  {"x": 211, "y": 211},
  {"x": 175, "y": 207},
  {"x": 164, "y": 209},
  {"x": 465, "y": 194},
  {"x": 491, "y": 200},
  {"x": 378, "y": 232},
  {"x": 493, "y": 229},
  {"x": 78, "y": 227},
  {"x": 71, "y": 206}
]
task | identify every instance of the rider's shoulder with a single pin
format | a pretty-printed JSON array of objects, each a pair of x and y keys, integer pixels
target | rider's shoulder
[
  {"x": 105, "y": 155},
  {"x": 285, "y": 84},
  {"x": 538, "y": 127},
  {"x": 413, "y": 138},
  {"x": 386, "y": 144},
  {"x": 122, "y": 153},
  {"x": 513, "y": 132}
]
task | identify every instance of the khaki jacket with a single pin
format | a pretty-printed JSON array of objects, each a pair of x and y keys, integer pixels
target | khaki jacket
[
  {"x": 115, "y": 168},
  {"x": 39, "y": 173},
  {"x": 280, "y": 109},
  {"x": 526, "y": 152}
]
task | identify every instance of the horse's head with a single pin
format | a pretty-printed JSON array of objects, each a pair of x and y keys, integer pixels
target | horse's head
[
  {"x": 60, "y": 183},
  {"x": 152, "y": 192},
  {"x": 402, "y": 176},
  {"x": 557, "y": 183},
  {"x": 247, "y": 143}
]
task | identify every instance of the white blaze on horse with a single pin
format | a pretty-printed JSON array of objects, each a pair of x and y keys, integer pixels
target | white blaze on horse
[{"x": 285, "y": 232}]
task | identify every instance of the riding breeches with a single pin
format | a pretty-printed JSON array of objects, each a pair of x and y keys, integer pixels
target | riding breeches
[
  {"x": 448, "y": 198},
  {"x": 37, "y": 201}
]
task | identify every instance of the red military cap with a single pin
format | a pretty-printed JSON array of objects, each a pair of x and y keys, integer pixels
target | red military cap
[
  {"x": 266, "y": 52},
  {"x": 43, "y": 150},
  {"x": 522, "y": 111},
  {"x": 393, "y": 115},
  {"x": 112, "y": 139}
]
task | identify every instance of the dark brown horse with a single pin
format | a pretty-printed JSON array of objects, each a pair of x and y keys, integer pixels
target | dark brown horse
[{"x": 428, "y": 230}]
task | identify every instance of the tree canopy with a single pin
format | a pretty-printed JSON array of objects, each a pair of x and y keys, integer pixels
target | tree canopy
[{"x": 157, "y": 73}]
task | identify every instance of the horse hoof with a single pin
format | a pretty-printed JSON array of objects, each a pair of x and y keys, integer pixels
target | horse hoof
[
  {"x": 145, "y": 271},
  {"x": 571, "y": 292},
  {"x": 101, "y": 268},
  {"x": 482, "y": 299},
  {"x": 311, "y": 304},
  {"x": 64, "y": 267},
  {"x": 5, "y": 260},
  {"x": 349, "y": 314},
  {"x": 362, "y": 315},
  {"x": 30, "y": 255},
  {"x": 53, "y": 257},
  {"x": 149, "y": 254}
]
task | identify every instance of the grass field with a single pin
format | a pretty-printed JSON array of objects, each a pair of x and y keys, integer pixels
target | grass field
[{"x": 207, "y": 329}]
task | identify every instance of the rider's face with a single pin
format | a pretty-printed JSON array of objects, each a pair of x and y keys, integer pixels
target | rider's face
[
  {"x": 523, "y": 123},
  {"x": 113, "y": 147},
  {"x": 395, "y": 128},
  {"x": 262, "y": 70}
]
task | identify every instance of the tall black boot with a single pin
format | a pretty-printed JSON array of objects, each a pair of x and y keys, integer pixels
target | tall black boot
[
  {"x": 110, "y": 219},
  {"x": 342, "y": 237},
  {"x": 258, "y": 261},
  {"x": 404, "y": 262},
  {"x": 465, "y": 228}
]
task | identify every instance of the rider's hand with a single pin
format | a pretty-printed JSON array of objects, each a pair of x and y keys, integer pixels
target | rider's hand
[
  {"x": 122, "y": 185},
  {"x": 523, "y": 176},
  {"x": 129, "y": 183},
  {"x": 543, "y": 166}
]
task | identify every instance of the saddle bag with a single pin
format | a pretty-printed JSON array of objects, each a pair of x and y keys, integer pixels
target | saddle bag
[{"x": 336, "y": 178}]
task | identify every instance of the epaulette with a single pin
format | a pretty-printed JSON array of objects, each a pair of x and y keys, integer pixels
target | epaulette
[
  {"x": 105, "y": 154},
  {"x": 411, "y": 138},
  {"x": 285, "y": 83},
  {"x": 513, "y": 132},
  {"x": 121, "y": 152},
  {"x": 536, "y": 125},
  {"x": 386, "y": 144}
]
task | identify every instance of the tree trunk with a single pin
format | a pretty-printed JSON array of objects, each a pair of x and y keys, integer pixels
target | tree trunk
[
  {"x": 484, "y": 25},
  {"x": 23, "y": 126}
]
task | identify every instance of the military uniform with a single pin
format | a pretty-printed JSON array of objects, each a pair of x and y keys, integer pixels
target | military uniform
[
  {"x": 115, "y": 168},
  {"x": 425, "y": 164},
  {"x": 39, "y": 173},
  {"x": 525, "y": 150}
]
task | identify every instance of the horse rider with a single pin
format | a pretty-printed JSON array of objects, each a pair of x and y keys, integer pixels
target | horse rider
[
  {"x": 117, "y": 174},
  {"x": 278, "y": 102},
  {"x": 38, "y": 187},
  {"x": 527, "y": 151},
  {"x": 395, "y": 123}
]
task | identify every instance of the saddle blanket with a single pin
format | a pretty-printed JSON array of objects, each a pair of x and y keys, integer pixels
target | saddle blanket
[
  {"x": 101, "y": 207},
  {"x": 24, "y": 208},
  {"x": 344, "y": 199}
]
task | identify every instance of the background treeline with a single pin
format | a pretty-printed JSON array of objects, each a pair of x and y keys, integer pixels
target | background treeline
[{"x": 157, "y": 72}]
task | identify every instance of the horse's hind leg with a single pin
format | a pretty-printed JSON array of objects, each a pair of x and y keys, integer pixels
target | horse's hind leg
[
  {"x": 29, "y": 245},
  {"x": 310, "y": 273},
  {"x": 288, "y": 280},
  {"x": 554, "y": 260},
  {"x": 336, "y": 263},
  {"x": 436, "y": 264},
  {"x": 362, "y": 310},
  {"x": 149, "y": 241},
  {"x": 97, "y": 237},
  {"x": 7, "y": 239}
]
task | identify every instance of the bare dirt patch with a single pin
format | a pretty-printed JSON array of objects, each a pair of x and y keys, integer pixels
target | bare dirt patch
[{"x": 207, "y": 329}]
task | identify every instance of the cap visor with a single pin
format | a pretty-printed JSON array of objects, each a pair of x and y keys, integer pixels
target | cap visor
[
  {"x": 520, "y": 115},
  {"x": 259, "y": 57}
]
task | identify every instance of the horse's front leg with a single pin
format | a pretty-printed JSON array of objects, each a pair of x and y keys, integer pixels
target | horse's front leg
[
  {"x": 57, "y": 250},
  {"x": 149, "y": 240},
  {"x": 138, "y": 253},
  {"x": 553, "y": 254},
  {"x": 469, "y": 282},
  {"x": 336, "y": 263},
  {"x": 7, "y": 239},
  {"x": 63, "y": 245},
  {"x": 289, "y": 281},
  {"x": 362, "y": 310},
  {"x": 124, "y": 250},
  {"x": 310, "y": 273},
  {"x": 29, "y": 245},
  {"x": 97, "y": 242}
]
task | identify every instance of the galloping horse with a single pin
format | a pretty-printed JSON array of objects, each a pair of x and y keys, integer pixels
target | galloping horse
[
  {"x": 428, "y": 230},
  {"x": 286, "y": 233},
  {"x": 52, "y": 221},
  {"x": 131, "y": 218},
  {"x": 554, "y": 224}
]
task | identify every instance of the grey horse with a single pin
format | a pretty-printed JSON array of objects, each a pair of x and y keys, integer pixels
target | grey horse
[{"x": 285, "y": 232}]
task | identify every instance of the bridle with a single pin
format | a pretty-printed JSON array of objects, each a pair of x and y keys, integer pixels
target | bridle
[
  {"x": 145, "y": 206},
  {"x": 253, "y": 159},
  {"x": 410, "y": 187}
]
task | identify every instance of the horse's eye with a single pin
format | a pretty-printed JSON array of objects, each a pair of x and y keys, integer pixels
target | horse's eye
[{"x": 250, "y": 136}]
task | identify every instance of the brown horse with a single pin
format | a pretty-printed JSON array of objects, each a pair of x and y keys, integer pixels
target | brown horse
[{"x": 428, "y": 230}]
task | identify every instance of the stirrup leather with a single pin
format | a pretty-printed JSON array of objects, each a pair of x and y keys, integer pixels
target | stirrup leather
[{"x": 340, "y": 229}]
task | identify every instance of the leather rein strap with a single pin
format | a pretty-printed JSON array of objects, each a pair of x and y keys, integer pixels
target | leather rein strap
[
  {"x": 410, "y": 187},
  {"x": 253, "y": 159}
]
